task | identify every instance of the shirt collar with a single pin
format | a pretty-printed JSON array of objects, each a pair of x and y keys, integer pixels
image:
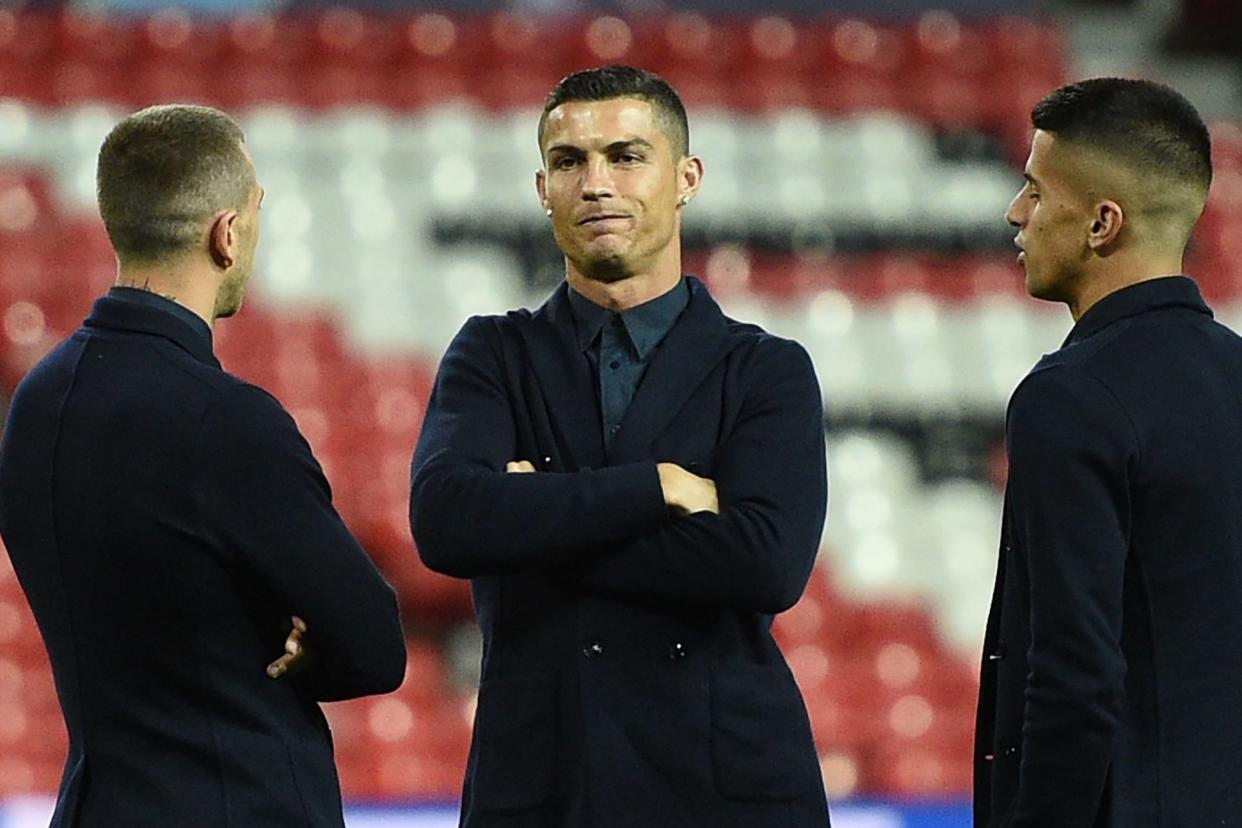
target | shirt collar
[
  {"x": 1149, "y": 295},
  {"x": 647, "y": 324},
  {"x": 146, "y": 298}
]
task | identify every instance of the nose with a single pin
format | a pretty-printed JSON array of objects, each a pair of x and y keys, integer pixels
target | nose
[
  {"x": 1013, "y": 212},
  {"x": 597, "y": 183}
]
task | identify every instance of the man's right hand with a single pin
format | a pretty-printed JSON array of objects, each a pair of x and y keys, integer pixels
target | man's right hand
[
  {"x": 295, "y": 651},
  {"x": 687, "y": 493}
]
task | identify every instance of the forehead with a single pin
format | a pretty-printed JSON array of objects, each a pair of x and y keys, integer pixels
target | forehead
[
  {"x": 1052, "y": 163},
  {"x": 587, "y": 124},
  {"x": 1041, "y": 157}
]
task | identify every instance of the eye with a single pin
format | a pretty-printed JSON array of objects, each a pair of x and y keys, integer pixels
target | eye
[
  {"x": 565, "y": 162},
  {"x": 629, "y": 158}
]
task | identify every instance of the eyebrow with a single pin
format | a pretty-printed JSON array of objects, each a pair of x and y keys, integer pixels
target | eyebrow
[
  {"x": 615, "y": 146},
  {"x": 1030, "y": 178},
  {"x": 632, "y": 142}
]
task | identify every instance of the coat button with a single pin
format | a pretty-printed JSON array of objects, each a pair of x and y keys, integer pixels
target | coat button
[
  {"x": 593, "y": 650},
  {"x": 997, "y": 654},
  {"x": 678, "y": 651}
]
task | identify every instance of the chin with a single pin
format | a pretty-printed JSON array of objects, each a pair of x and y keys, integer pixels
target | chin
[
  {"x": 607, "y": 269},
  {"x": 1043, "y": 290},
  {"x": 229, "y": 307}
]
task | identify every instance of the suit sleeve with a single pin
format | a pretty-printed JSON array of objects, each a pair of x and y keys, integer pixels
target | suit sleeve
[
  {"x": 772, "y": 486},
  {"x": 469, "y": 517},
  {"x": 266, "y": 501},
  {"x": 1071, "y": 445}
]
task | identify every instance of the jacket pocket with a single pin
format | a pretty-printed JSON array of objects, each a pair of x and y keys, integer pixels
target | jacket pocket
[
  {"x": 515, "y": 742},
  {"x": 761, "y": 737}
]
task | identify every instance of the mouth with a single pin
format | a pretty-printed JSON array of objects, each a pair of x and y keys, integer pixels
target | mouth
[{"x": 599, "y": 218}]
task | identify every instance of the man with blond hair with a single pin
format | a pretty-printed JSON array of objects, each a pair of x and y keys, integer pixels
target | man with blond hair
[{"x": 169, "y": 525}]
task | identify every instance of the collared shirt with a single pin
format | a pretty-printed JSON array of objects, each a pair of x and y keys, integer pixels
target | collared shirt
[
  {"x": 1135, "y": 299},
  {"x": 621, "y": 345},
  {"x": 138, "y": 296}
]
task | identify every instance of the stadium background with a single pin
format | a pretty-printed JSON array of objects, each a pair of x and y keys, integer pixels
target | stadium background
[{"x": 859, "y": 158}]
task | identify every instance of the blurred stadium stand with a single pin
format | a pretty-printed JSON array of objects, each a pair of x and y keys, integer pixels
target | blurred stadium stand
[{"x": 857, "y": 170}]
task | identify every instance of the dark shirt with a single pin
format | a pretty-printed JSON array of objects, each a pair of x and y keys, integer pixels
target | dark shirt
[
  {"x": 621, "y": 345},
  {"x": 154, "y": 300}
]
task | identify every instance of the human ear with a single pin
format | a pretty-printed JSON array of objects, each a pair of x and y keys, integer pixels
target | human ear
[
  {"x": 1106, "y": 224},
  {"x": 689, "y": 178},
  {"x": 222, "y": 239},
  {"x": 541, "y": 187}
]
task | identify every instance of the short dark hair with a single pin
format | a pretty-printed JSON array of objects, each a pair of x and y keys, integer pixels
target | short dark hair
[
  {"x": 163, "y": 172},
  {"x": 1146, "y": 125},
  {"x": 616, "y": 81}
]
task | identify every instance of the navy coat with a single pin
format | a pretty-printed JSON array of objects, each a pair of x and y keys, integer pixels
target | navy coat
[
  {"x": 629, "y": 674},
  {"x": 1112, "y": 678},
  {"x": 165, "y": 519}
]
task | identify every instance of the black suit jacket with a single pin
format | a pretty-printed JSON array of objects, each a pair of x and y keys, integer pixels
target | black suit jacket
[
  {"x": 629, "y": 676},
  {"x": 1112, "y": 675},
  {"x": 164, "y": 519}
]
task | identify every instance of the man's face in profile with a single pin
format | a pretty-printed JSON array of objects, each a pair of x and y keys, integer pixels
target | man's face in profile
[
  {"x": 233, "y": 290},
  {"x": 1052, "y": 218}
]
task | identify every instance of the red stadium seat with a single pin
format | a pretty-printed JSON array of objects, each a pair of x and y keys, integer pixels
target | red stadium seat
[
  {"x": 19, "y": 636},
  {"x": 941, "y": 42},
  {"x": 263, "y": 40},
  {"x": 173, "y": 36},
  {"x": 348, "y": 37},
  {"x": 535, "y": 43},
  {"x": 605, "y": 39},
  {"x": 97, "y": 39},
  {"x": 29, "y": 37},
  {"x": 860, "y": 63},
  {"x": 917, "y": 772}
]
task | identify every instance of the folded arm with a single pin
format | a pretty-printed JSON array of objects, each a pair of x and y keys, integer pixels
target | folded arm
[
  {"x": 469, "y": 517},
  {"x": 265, "y": 501},
  {"x": 756, "y": 554}
]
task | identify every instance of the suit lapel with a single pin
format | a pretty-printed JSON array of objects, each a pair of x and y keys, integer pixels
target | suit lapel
[
  {"x": 565, "y": 381},
  {"x": 690, "y": 351}
]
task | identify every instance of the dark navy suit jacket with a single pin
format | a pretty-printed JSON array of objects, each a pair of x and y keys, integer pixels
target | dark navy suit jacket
[
  {"x": 164, "y": 519},
  {"x": 1112, "y": 678},
  {"x": 629, "y": 675}
]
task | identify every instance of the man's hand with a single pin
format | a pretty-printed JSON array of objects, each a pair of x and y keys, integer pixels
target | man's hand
[
  {"x": 687, "y": 493},
  {"x": 684, "y": 492},
  {"x": 295, "y": 653}
]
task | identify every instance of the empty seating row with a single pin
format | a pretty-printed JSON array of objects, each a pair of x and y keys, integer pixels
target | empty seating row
[{"x": 941, "y": 69}]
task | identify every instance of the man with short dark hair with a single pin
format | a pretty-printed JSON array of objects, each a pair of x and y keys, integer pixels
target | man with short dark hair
[
  {"x": 165, "y": 519},
  {"x": 1110, "y": 690},
  {"x": 635, "y": 485}
]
